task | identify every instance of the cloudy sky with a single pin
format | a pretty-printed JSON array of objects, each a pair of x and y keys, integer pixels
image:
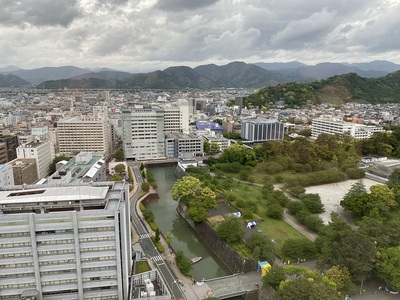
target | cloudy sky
[{"x": 143, "y": 35}]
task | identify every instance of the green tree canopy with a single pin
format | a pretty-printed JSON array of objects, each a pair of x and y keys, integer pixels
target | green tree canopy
[
  {"x": 190, "y": 191},
  {"x": 260, "y": 241},
  {"x": 298, "y": 249},
  {"x": 238, "y": 153},
  {"x": 120, "y": 169},
  {"x": 119, "y": 155},
  {"x": 56, "y": 160},
  {"x": 230, "y": 230},
  {"x": 388, "y": 268},
  {"x": 301, "y": 288}
]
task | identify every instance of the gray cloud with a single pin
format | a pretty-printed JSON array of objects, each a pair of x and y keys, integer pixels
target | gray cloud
[
  {"x": 143, "y": 34},
  {"x": 38, "y": 12},
  {"x": 179, "y": 5}
]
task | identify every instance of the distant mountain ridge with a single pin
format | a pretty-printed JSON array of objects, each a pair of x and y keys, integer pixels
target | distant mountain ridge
[
  {"x": 10, "y": 80},
  {"x": 234, "y": 75}
]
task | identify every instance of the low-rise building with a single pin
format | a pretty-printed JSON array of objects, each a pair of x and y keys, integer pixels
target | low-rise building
[
  {"x": 178, "y": 143},
  {"x": 6, "y": 175}
]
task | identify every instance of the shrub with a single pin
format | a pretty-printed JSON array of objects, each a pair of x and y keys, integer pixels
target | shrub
[
  {"x": 275, "y": 211},
  {"x": 297, "y": 190},
  {"x": 299, "y": 248},
  {"x": 294, "y": 207},
  {"x": 145, "y": 186},
  {"x": 313, "y": 203},
  {"x": 313, "y": 222},
  {"x": 355, "y": 173}
]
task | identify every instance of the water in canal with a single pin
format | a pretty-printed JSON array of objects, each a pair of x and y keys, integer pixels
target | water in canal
[{"x": 185, "y": 238}]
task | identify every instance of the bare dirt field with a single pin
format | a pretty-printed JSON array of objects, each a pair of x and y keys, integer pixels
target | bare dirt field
[{"x": 331, "y": 195}]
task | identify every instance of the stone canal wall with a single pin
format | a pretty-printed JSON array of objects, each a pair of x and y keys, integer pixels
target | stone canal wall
[{"x": 229, "y": 257}]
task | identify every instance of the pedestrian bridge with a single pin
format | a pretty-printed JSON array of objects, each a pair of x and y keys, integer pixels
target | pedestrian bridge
[{"x": 234, "y": 285}]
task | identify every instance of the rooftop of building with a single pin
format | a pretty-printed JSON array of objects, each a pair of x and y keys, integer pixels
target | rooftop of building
[
  {"x": 83, "y": 165},
  {"x": 58, "y": 198}
]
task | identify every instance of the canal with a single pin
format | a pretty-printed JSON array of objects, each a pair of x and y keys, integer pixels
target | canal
[{"x": 184, "y": 237}]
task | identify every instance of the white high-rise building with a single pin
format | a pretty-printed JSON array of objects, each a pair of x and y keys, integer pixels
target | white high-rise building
[
  {"x": 176, "y": 116},
  {"x": 143, "y": 133},
  {"x": 84, "y": 134},
  {"x": 338, "y": 126},
  {"x": 43, "y": 152},
  {"x": 65, "y": 242}
]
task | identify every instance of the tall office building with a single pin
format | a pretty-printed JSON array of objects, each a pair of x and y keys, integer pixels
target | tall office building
[
  {"x": 261, "y": 130},
  {"x": 143, "y": 133},
  {"x": 43, "y": 152},
  {"x": 12, "y": 143},
  {"x": 84, "y": 134},
  {"x": 65, "y": 242},
  {"x": 338, "y": 126}
]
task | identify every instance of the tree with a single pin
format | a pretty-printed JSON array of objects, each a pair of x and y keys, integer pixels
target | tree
[
  {"x": 239, "y": 153},
  {"x": 214, "y": 148},
  {"x": 230, "y": 230},
  {"x": 298, "y": 249},
  {"x": 119, "y": 155},
  {"x": 383, "y": 192},
  {"x": 302, "y": 288},
  {"x": 157, "y": 236},
  {"x": 190, "y": 191},
  {"x": 116, "y": 177},
  {"x": 313, "y": 203},
  {"x": 388, "y": 268},
  {"x": 183, "y": 263},
  {"x": 207, "y": 147},
  {"x": 120, "y": 169},
  {"x": 340, "y": 276},
  {"x": 264, "y": 244},
  {"x": 274, "y": 276},
  {"x": 339, "y": 245},
  {"x": 275, "y": 211},
  {"x": 394, "y": 178},
  {"x": 56, "y": 160}
]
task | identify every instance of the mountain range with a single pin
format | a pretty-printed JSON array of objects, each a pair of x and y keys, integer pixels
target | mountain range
[{"x": 232, "y": 75}]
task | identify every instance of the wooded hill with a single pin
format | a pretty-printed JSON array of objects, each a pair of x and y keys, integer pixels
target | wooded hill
[{"x": 336, "y": 90}]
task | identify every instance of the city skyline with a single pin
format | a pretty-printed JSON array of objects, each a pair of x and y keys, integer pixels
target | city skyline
[{"x": 145, "y": 35}]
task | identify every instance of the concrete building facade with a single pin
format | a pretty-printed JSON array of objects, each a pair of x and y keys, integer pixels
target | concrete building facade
[
  {"x": 338, "y": 126},
  {"x": 65, "y": 242},
  {"x": 6, "y": 176},
  {"x": 24, "y": 170},
  {"x": 43, "y": 152},
  {"x": 84, "y": 134},
  {"x": 177, "y": 144},
  {"x": 261, "y": 130},
  {"x": 143, "y": 133},
  {"x": 12, "y": 144}
]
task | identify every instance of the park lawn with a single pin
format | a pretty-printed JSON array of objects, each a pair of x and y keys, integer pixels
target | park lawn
[
  {"x": 278, "y": 230},
  {"x": 142, "y": 266}
]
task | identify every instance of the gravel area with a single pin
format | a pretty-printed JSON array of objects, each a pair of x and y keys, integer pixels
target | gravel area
[{"x": 331, "y": 195}]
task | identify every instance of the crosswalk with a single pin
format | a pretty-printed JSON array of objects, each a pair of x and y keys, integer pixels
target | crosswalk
[
  {"x": 144, "y": 236},
  {"x": 157, "y": 258}
]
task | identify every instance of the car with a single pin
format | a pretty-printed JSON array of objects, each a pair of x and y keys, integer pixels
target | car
[{"x": 389, "y": 290}]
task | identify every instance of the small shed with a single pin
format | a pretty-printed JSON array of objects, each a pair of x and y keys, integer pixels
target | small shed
[{"x": 263, "y": 266}]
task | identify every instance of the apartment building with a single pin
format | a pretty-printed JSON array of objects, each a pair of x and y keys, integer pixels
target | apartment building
[
  {"x": 24, "y": 170},
  {"x": 42, "y": 152},
  {"x": 261, "y": 130},
  {"x": 338, "y": 126},
  {"x": 84, "y": 134},
  {"x": 65, "y": 242},
  {"x": 3, "y": 153}
]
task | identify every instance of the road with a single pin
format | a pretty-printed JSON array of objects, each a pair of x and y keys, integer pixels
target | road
[{"x": 148, "y": 247}]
